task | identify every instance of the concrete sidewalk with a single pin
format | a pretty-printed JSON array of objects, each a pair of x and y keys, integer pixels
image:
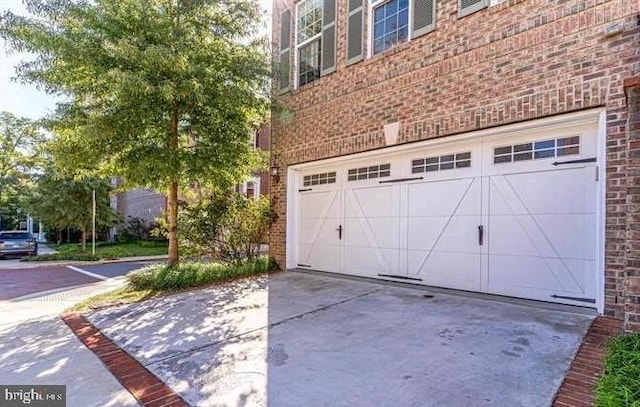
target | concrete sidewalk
[
  {"x": 45, "y": 351},
  {"x": 37, "y": 347},
  {"x": 51, "y": 303}
]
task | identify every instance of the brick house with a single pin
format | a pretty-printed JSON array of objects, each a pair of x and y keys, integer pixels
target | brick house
[
  {"x": 480, "y": 145},
  {"x": 259, "y": 182}
]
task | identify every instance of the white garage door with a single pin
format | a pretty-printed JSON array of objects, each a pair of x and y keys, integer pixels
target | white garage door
[{"x": 513, "y": 216}]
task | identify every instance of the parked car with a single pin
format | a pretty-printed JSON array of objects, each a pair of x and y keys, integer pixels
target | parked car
[{"x": 17, "y": 242}]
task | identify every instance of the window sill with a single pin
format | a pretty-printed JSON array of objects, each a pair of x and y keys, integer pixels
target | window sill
[{"x": 391, "y": 51}]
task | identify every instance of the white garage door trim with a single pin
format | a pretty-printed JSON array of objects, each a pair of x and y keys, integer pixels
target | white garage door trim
[{"x": 593, "y": 117}]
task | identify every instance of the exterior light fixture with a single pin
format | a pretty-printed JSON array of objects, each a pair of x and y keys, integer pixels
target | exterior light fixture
[{"x": 275, "y": 173}]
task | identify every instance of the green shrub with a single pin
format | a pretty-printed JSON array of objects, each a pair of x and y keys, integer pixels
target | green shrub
[
  {"x": 153, "y": 243},
  {"x": 136, "y": 229},
  {"x": 620, "y": 385},
  {"x": 186, "y": 275},
  {"x": 228, "y": 227},
  {"x": 78, "y": 256}
]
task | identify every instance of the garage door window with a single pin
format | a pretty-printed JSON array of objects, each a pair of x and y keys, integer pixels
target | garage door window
[
  {"x": 374, "y": 171},
  {"x": 319, "y": 179},
  {"x": 442, "y": 162},
  {"x": 535, "y": 150}
]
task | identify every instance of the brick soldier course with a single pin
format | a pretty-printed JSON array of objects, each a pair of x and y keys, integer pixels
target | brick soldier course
[
  {"x": 578, "y": 387},
  {"x": 511, "y": 62},
  {"x": 140, "y": 382}
]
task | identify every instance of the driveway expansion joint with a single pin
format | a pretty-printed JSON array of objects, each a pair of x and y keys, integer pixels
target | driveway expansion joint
[
  {"x": 578, "y": 386},
  {"x": 143, "y": 385},
  {"x": 291, "y": 318}
]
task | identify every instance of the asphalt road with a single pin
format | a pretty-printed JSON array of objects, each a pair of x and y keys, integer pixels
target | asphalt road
[
  {"x": 112, "y": 270},
  {"x": 17, "y": 281}
]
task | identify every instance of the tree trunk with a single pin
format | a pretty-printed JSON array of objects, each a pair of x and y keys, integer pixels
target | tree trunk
[
  {"x": 172, "y": 198},
  {"x": 83, "y": 237},
  {"x": 172, "y": 203}
]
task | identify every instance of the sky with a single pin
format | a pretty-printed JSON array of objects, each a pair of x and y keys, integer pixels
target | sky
[{"x": 26, "y": 100}]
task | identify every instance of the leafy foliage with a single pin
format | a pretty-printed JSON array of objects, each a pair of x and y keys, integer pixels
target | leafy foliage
[
  {"x": 163, "y": 93},
  {"x": 226, "y": 227},
  {"x": 137, "y": 229},
  {"x": 620, "y": 385},
  {"x": 20, "y": 160},
  {"x": 77, "y": 256},
  {"x": 187, "y": 275},
  {"x": 104, "y": 251},
  {"x": 62, "y": 201}
]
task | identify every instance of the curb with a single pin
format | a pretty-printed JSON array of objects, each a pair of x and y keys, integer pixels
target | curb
[
  {"x": 143, "y": 385},
  {"x": 34, "y": 264},
  {"x": 579, "y": 385}
]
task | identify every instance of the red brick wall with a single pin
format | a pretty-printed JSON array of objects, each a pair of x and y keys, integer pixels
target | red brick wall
[
  {"x": 516, "y": 61},
  {"x": 632, "y": 297}
]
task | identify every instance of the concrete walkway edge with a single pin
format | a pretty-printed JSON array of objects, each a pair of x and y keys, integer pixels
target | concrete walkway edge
[{"x": 146, "y": 387}]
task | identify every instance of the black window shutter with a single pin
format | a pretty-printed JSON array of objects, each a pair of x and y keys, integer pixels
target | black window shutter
[
  {"x": 355, "y": 30},
  {"x": 284, "y": 63},
  {"x": 423, "y": 17},
  {"x": 328, "y": 37}
]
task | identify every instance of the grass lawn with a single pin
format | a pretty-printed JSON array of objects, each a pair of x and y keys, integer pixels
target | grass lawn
[
  {"x": 159, "y": 279},
  {"x": 104, "y": 251},
  {"x": 123, "y": 295},
  {"x": 620, "y": 385}
]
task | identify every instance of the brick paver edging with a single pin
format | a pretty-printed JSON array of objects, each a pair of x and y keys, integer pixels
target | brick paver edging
[
  {"x": 141, "y": 383},
  {"x": 578, "y": 387}
]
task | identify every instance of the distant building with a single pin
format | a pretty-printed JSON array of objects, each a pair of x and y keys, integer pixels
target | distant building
[
  {"x": 145, "y": 204},
  {"x": 259, "y": 183}
]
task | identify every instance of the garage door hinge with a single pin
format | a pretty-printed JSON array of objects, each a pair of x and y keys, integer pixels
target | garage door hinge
[
  {"x": 304, "y": 265},
  {"x": 589, "y": 300},
  {"x": 305, "y": 190}
]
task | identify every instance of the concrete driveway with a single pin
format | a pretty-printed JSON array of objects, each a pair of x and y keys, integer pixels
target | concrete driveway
[{"x": 296, "y": 339}]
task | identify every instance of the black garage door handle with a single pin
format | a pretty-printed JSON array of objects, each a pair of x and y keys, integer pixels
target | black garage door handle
[{"x": 480, "y": 235}]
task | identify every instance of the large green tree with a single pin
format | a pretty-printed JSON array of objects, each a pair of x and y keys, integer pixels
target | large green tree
[
  {"x": 20, "y": 160},
  {"x": 65, "y": 202},
  {"x": 163, "y": 93}
]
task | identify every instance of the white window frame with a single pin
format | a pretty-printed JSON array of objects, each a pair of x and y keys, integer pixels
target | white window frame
[
  {"x": 256, "y": 183},
  {"x": 372, "y": 5},
  {"x": 297, "y": 46}
]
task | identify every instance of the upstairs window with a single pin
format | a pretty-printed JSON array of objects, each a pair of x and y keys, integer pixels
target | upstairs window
[
  {"x": 308, "y": 39},
  {"x": 390, "y": 24},
  {"x": 396, "y": 21}
]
